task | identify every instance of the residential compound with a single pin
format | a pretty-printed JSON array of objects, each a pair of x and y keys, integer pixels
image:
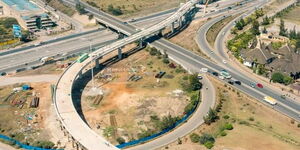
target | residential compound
[{"x": 29, "y": 15}]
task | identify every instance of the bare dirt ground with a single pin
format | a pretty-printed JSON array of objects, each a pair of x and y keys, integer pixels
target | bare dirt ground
[
  {"x": 266, "y": 130},
  {"x": 16, "y": 119},
  {"x": 187, "y": 38},
  {"x": 137, "y": 8},
  {"x": 128, "y": 105}
]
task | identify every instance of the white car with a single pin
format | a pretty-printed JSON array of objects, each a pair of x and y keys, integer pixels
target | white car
[{"x": 224, "y": 61}]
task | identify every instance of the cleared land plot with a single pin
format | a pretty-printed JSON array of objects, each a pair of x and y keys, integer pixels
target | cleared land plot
[
  {"x": 61, "y": 7},
  {"x": 255, "y": 126},
  {"x": 21, "y": 122},
  {"x": 131, "y": 8},
  {"x": 129, "y": 108}
]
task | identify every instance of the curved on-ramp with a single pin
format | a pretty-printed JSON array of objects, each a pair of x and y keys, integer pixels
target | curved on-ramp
[{"x": 64, "y": 105}]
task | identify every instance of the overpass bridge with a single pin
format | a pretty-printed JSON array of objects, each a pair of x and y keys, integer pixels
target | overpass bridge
[{"x": 71, "y": 121}]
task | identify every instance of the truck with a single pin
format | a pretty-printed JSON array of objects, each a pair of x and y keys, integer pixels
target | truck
[
  {"x": 83, "y": 57},
  {"x": 225, "y": 74},
  {"x": 45, "y": 60},
  {"x": 270, "y": 100}
]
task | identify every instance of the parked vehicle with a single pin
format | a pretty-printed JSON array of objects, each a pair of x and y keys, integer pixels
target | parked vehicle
[
  {"x": 221, "y": 77},
  {"x": 252, "y": 85},
  {"x": 160, "y": 74},
  {"x": 270, "y": 100},
  {"x": 199, "y": 76},
  {"x": 238, "y": 82},
  {"x": 259, "y": 85},
  {"x": 46, "y": 59},
  {"x": 2, "y": 73}
]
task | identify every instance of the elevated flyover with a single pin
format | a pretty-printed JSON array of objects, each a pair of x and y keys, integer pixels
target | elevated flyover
[{"x": 71, "y": 121}]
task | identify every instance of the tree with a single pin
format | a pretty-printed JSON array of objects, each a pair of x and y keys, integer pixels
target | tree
[
  {"x": 115, "y": 11},
  {"x": 195, "y": 138},
  {"x": 277, "y": 77},
  {"x": 80, "y": 9},
  {"x": 287, "y": 80},
  {"x": 120, "y": 140},
  {"x": 282, "y": 29},
  {"x": 166, "y": 61},
  {"x": 266, "y": 21},
  {"x": 293, "y": 33},
  {"x": 255, "y": 27},
  {"x": 211, "y": 117},
  {"x": 194, "y": 83}
]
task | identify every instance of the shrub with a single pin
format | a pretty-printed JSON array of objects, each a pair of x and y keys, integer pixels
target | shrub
[
  {"x": 298, "y": 125},
  {"x": 209, "y": 144},
  {"x": 166, "y": 61},
  {"x": 120, "y": 140},
  {"x": 195, "y": 138},
  {"x": 244, "y": 122},
  {"x": 277, "y": 77},
  {"x": 153, "y": 51},
  {"x": 228, "y": 126},
  {"x": 206, "y": 138},
  {"x": 223, "y": 133},
  {"x": 226, "y": 117},
  {"x": 185, "y": 78},
  {"x": 43, "y": 144},
  {"x": 251, "y": 119},
  {"x": 211, "y": 117}
]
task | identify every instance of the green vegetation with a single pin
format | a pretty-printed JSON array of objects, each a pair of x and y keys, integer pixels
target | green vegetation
[
  {"x": 195, "y": 138},
  {"x": 266, "y": 21},
  {"x": 276, "y": 45},
  {"x": 114, "y": 10},
  {"x": 282, "y": 29},
  {"x": 80, "y": 9},
  {"x": 6, "y": 31},
  {"x": 193, "y": 103},
  {"x": 281, "y": 78},
  {"x": 207, "y": 140},
  {"x": 192, "y": 84},
  {"x": 211, "y": 116},
  {"x": 120, "y": 140},
  {"x": 44, "y": 144},
  {"x": 57, "y": 4},
  {"x": 240, "y": 42}
]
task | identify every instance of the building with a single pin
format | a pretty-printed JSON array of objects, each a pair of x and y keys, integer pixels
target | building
[{"x": 1, "y": 10}]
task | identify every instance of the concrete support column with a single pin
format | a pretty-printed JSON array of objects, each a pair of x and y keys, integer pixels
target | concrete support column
[
  {"x": 80, "y": 74},
  {"x": 180, "y": 21},
  {"x": 97, "y": 63},
  {"x": 172, "y": 27},
  {"x": 141, "y": 43},
  {"x": 120, "y": 53}
]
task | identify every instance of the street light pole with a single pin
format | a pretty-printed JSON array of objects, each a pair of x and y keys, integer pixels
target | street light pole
[{"x": 93, "y": 83}]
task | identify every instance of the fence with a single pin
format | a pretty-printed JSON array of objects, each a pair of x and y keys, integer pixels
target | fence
[
  {"x": 21, "y": 145},
  {"x": 142, "y": 140}
]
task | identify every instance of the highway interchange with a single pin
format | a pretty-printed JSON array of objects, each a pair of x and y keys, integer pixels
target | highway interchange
[{"x": 188, "y": 59}]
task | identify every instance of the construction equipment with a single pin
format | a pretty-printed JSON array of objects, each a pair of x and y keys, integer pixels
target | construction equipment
[{"x": 35, "y": 102}]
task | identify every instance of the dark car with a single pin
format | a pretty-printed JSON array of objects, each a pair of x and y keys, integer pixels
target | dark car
[
  {"x": 2, "y": 73},
  {"x": 215, "y": 73},
  {"x": 231, "y": 82},
  {"x": 238, "y": 82}
]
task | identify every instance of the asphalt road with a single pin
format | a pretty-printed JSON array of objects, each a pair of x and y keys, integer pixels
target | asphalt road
[{"x": 286, "y": 106}]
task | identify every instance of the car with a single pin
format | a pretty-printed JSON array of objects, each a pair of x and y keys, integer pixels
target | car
[
  {"x": 238, "y": 82},
  {"x": 215, "y": 73},
  {"x": 204, "y": 70},
  {"x": 2, "y": 73},
  {"x": 224, "y": 61},
  {"x": 231, "y": 82},
  {"x": 259, "y": 85},
  {"x": 221, "y": 77},
  {"x": 252, "y": 85},
  {"x": 200, "y": 76}
]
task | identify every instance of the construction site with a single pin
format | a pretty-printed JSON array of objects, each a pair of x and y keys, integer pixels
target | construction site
[{"x": 124, "y": 99}]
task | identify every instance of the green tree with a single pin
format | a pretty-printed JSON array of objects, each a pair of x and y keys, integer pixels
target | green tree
[
  {"x": 282, "y": 29},
  {"x": 264, "y": 30},
  {"x": 277, "y": 77},
  {"x": 211, "y": 117},
  {"x": 228, "y": 126},
  {"x": 287, "y": 80},
  {"x": 266, "y": 21},
  {"x": 80, "y": 8},
  {"x": 209, "y": 144},
  {"x": 120, "y": 140},
  {"x": 255, "y": 27}
]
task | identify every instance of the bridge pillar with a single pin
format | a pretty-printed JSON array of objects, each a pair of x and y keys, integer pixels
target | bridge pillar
[
  {"x": 97, "y": 63},
  {"x": 180, "y": 22},
  {"x": 172, "y": 27},
  {"x": 141, "y": 43},
  {"x": 80, "y": 74},
  {"x": 120, "y": 53}
]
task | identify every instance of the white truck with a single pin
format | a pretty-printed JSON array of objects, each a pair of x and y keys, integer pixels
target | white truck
[{"x": 270, "y": 100}]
